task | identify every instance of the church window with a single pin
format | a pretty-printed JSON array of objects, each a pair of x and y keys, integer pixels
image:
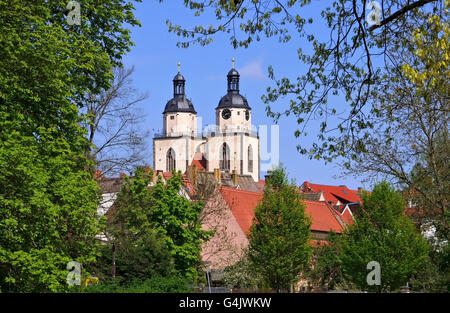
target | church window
[
  {"x": 250, "y": 159},
  {"x": 225, "y": 158},
  {"x": 170, "y": 160}
]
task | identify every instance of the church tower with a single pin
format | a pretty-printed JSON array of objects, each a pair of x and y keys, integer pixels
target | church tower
[
  {"x": 234, "y": 146},
  {"x": 174, "y": 148},
  {"x": 179, "y": 115},
  {"x": 233, "y": 112}
]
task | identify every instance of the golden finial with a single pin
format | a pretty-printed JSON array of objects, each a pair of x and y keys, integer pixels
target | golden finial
[
  {"x": 232, "y": 61},
  {"x": 179, "y": 64}
]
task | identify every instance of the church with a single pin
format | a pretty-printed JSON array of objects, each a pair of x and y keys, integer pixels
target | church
[{"x": 231, "y": 146}]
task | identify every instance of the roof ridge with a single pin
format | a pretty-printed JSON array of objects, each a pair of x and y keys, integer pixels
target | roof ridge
[
  {"x": 240, "y": 190},
  {"x": 330, "y": 186}
]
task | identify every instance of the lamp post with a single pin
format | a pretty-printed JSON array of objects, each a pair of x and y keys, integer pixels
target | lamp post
[{"x": 208, "y": 274}]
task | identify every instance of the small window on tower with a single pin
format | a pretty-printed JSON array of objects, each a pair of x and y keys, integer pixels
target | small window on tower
[
  {"x": 239, "y": 113},
  {"x": 172, "y": 117}
]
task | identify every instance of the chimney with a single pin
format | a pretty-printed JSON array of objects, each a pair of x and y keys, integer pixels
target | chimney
[
  {"x": 217, "y": 174},
  {"x": 306, "y": 186},
  {"x": 360, "y": 190},
  {"x": 267, "y": 176},
  {"x": 98, "y": 174},
  {"x": 235, "y": 178},
  {"x": 122, "y": 175},
  {"x": 147, "y": 169},
  {"x": 194, "y": 176},
  {"x": 191, "y": 172}
]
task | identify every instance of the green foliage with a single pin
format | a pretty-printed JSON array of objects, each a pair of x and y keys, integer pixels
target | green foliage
[
  {"x": 139, "y": 250},
  {"x": 326, "y": 268},
  {"x": 242, "y": 275},
  {"x": 155, "y": 230},
  {"x": 177, "y": 219},
  {"x": 48, "y": 206},
  {"x": 347, "y": 61},
  {"x": 278, "y": 177},
  {"x": 383, "y": 234},
  {"x": 48, "y": 198},
  {"x": 279, "y": 237},
  {"x": 156, "y": 284}
]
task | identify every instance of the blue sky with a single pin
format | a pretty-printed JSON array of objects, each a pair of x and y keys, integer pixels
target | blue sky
[{"x": 155, "y": 57}]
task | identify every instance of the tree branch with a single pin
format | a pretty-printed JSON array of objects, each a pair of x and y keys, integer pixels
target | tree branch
[{"x": 400, "y": 12}]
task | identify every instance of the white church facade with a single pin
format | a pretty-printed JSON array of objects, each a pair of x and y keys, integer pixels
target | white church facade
[{"x": 231, "y": 146}]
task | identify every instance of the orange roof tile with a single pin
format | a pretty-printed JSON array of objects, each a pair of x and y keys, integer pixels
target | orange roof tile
[
  {"x": 261, "y": 184},
  {"x": 347, "y": 217},
  {"x": 199, "y": 161},
  {"x": 322, "y": 217},
  {"x": 243, "y": 203},
  {"x": 332, "y": 193}
]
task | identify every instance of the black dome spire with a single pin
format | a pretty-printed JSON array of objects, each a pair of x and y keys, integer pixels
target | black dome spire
[
  {"x": 233, "y": 99},
  {"x": 179, "y": 102}
]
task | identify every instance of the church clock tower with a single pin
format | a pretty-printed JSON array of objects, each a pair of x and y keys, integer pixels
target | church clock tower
[
  {"x": 235, "y": 147},
  {"x": 233, "y": 112}
]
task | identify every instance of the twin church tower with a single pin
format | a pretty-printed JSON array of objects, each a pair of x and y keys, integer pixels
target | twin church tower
[{"x": 231, "y": 146}]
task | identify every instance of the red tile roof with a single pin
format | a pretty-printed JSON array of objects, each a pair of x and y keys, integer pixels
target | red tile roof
[
  {"x": 322, "y": 217},
  {"x": 332, "y": 193},
  {"x": 199, "y": 161},
  {"x": 186, "y": 182},
  {"x": 318, "y": 243},
  {"x": 347, "y": 216},
  {"x": 261, "y": 184},
  {"x": 243, "y": 203}
]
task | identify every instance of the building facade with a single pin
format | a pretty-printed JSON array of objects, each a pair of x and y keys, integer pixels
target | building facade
[{"x": 232, "y": 146}]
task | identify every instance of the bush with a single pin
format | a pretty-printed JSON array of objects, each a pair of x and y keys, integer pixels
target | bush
[{"x": 156, "y": 284}]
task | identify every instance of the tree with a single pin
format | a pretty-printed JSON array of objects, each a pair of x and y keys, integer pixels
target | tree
[
  {"x": 326, "y": 268},
  {"x": 242, "y": 274},
  {"x": 411, "y": 145},
  {"x": 114, "y": 125},
  {"x": 384, "y": 234},
  {"x": 48, "y": 197},
  {"x": 349, "y": 61},
  {"x": 48, "y": 211},
  {"x": 279, "y": 236},
  {"x": 139, "y": 251},
  {"x": 178, "y": 220},
  {"x": 156, "y": 220}
]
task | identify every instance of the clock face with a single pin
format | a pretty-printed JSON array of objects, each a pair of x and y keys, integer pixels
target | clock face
[
  {"x": 226, "y": 114},
  {"x": 247, "y": 115}
]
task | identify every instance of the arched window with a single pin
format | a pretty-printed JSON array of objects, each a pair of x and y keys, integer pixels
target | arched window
[
  {"x": 250, "y": 159},
  {"x": 225, "y": 158},
  {"x": 170, "y": 160}
]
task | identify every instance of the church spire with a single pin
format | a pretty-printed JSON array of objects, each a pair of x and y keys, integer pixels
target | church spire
[
  {"x": 233, "y": 79},
  {"x": 178, "y": 83}
]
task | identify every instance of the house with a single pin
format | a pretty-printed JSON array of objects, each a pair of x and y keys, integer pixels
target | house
[
  {"x": 230, "y": 213},
  {"x": 344, "y": 201}
]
